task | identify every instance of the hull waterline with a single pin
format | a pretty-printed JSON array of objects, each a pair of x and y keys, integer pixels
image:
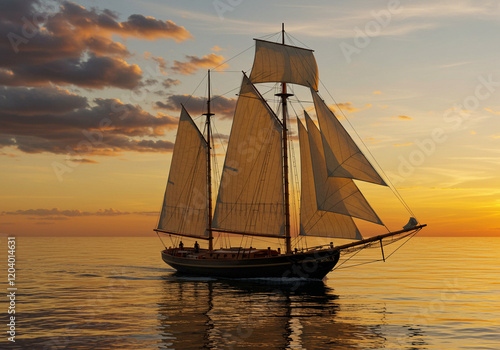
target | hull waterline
[{"x": 314, "y": 265}]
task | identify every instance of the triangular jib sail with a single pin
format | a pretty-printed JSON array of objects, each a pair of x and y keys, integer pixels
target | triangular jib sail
[
  {"x": 336, "y": 195},
  {"x": 283, "y": 63},
  {"x": 184, "y": 209},
  {"x": 343, "y": 157},
  {"x": 251, "y": 192},
  {"x": 314, "y": 222}
]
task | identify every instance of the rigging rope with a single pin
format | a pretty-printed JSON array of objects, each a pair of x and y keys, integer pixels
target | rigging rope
[{"x": 392, "y": 187}]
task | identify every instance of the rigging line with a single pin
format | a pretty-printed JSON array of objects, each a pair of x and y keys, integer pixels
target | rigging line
[
  {"x": 411, "y": 236},
  {"x": 290, "y": 36},
  {"x": 267, "y": 36},
  {"x": 161, "y": 239},
  {"x": 394, "y": 189},
  {"x": 360, "y": 264},
  {"x": 352, "y": 256},
  {"x": 224, "y": 94},
  {"x": 370, "y": 262},
  {"x": 220, "y": 139},
  {"x": 226, "y": 61},
  {"x": 196, "y": 88}
]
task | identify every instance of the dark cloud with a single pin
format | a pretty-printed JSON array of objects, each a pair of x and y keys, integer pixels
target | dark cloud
[
  {"x": 105, "y": 127},
  {"x": 151, "y": 28},
  {"x": 73, "y": 45},
  {"x": 96, "y": 72},
  {"x": 32, "y": 101},
  {"x": 221, "y": 106},
  {"x": 136, "y": 25}
]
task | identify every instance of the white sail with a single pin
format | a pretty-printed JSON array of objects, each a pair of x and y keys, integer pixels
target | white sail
[
  {"x": 251, "y": 192},
  {"x": 283, "y": 63},
  {"x": 185, "y": 203},
  {"x": 314, "y": 222},
  {"x": 335, "y": 194},
  {"x": 343, "y": 157}
]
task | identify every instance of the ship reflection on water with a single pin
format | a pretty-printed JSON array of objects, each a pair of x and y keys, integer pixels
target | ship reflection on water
[{"x": 251, "y": 314}]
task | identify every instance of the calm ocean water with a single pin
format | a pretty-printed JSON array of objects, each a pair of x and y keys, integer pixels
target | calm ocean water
[{"x": 116, "y": 293}]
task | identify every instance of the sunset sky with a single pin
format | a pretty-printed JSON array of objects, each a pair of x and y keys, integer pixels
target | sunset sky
[{"x": 90, "y": 94}]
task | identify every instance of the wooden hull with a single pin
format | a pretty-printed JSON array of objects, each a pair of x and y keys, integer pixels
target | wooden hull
[{"x": 314, "y": 265}]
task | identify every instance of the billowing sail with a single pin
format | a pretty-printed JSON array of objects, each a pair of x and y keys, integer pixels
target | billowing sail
[
  {"x": 343, "y": 157},
  {"x": 283, "y": 63},
  {"x": 314, "y": 222},
  {"x": 251, "y": 191},
  {"x": 335, "y": 194},
  {"x": 185, "y": 203}
]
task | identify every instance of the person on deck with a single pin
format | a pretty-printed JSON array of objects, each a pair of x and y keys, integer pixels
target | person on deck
[
  {"x": 181, "y": 245},
  {"x": 196, "y": 247}
]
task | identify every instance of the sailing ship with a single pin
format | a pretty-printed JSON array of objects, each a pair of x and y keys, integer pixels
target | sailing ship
[{"x": 254, "y": 192}]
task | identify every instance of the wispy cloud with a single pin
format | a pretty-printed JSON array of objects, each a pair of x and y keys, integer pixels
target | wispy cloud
[
  {"x": 403, "y": 144},
  {"x": 58, "y": 214},
  {"x": 84, "y": 160},
  {"x": 402, "y": 117},
  {"x": 452, "y": 65}
]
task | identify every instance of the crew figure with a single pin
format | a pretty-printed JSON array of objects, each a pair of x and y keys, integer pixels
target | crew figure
[
  {"x": 196, "y": 247},
  {"x": 181, "y": 245}
]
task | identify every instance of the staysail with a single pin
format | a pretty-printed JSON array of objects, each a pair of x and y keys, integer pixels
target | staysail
[
  {"x": 337, "y": 195},
  {"x": 251, "y": 191},
  {"x": 314, "y": 222},
  {"x": 343, "y": 157},
  {"x": 284, "y": 63},
  {"x": 184, "y": 209}
]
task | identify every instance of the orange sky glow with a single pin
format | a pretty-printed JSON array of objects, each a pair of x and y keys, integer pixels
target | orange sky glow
[{"x": 89, "y": 106}]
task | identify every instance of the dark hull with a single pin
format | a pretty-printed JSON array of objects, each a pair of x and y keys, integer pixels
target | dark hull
[{"x": 313, "y": 265}]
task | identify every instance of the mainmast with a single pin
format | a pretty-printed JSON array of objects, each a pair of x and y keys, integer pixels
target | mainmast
[
  {"x": 209, "y": 170},
  {"x": 284, "y": 95}
]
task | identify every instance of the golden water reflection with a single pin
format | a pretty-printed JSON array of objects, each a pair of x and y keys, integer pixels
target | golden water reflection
[{"x": 238, "y": 314}]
